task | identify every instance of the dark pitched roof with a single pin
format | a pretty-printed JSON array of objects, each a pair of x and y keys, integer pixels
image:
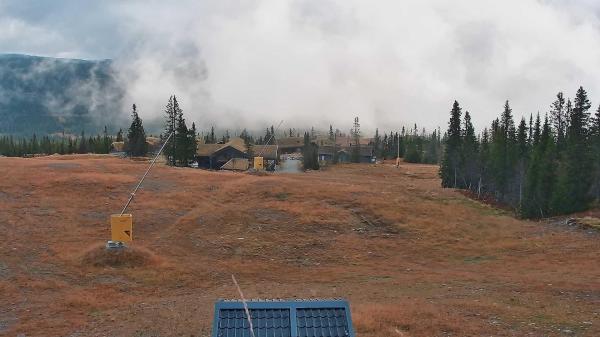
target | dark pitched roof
[
  {"x": 276, "y": 318},
  {"x": 205, "y": 150}
]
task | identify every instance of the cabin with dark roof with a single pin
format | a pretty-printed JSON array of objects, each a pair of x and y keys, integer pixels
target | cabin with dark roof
[
  {"x": 215, "y": 156},
  {"x": 278, "y": 318},
  {"x": 344, "y": 153}
]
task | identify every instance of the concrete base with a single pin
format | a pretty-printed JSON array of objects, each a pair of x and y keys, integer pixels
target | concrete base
[{"x": 115, "y": 245}]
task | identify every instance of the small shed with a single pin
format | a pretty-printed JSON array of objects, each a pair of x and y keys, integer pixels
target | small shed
[{"x": 280, "y": 318}]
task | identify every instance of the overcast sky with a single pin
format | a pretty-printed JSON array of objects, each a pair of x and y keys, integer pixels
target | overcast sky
[{"x": 317, "y": 62}]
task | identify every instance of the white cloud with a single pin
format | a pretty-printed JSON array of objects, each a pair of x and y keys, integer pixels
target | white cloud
[{"x": 318, "y": 62}]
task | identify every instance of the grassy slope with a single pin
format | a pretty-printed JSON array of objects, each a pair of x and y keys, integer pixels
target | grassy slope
[{"x": 413, "y": 259}]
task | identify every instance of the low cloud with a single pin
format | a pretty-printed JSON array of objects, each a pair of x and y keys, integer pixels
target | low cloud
[{"x": 309, "y": 62}]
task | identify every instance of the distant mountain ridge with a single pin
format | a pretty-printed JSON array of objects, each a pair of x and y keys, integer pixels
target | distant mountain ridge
[{"x": 48, "y": 95}]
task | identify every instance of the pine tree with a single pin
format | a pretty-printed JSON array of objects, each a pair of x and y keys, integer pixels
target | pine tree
[
  {"x": 182, "y": 135},
  {"x": 469, "y": 155},
  {"x": 376, "y": 143},
  {"x": 413, "y": 155},
  {"x": 106, "y": 141},
  {"x": 484, "y": 158},
  {"x": 135, "y": 144},
  {"x": 171, "y": 113},
  {"x": 83, "y": 144},
  {"x": 572, "y": 193},
  {"x": 541, "y": 176},
  {"x": 595, "y": 143},
  {"x": 503, "y": 156},
  {"x": 192, "y": 142},
  {"x": 536, "y": 131},
  {"x": 310, "y": 157},
  {"x": 522, "y": 157},
  {"x": 211, "y": 138},
  {"x": 431, "y": 155},
  {"x": 449, "y": 169},
  {"x": 558, "y": 118},
  {"x": 120, "y": 135}
]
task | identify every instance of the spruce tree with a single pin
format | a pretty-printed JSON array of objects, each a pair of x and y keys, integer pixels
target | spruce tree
[
  {"x": 558, "y": 118},
  {"x": 541, "y": 177},
  {"x": 211, "y": 138},
  {"x": 171, "y": 112},
  {"x": 182, "y": 135},
  {"x": 192, "y": 143},
  {"x": 469, "y": 155},
  {"x": 106, "y": 141},
  {"x": 135, "y": 144},
  {"x": 484, "y": 158},
  {"x": 503, "y": 157},
  {"x": 377, "y": 144},
  {"x": 449, "y": 169},
  {"x": 572, "y": 193},
  {"x": 83, "y": 144},
  {"x": 522, "y": 157},
  {"x": 310, "y": 156},
  {"x": 595, "y": 144},
  {"x": 431, "y": 155}
]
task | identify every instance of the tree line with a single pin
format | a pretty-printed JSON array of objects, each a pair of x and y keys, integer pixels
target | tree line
[
  {"x": 61, "y": 144},
  {"x": 542, "y": 167},
  {"x": 413, "y": 146}
]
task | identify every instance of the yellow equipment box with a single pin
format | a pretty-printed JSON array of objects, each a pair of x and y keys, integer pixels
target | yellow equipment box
[
  {"x": 121, "y": 227},
  {"x": 259, "y": 163}
]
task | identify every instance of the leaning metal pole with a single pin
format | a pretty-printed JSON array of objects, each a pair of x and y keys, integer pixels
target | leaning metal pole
[{"x": 145, "y": 174}]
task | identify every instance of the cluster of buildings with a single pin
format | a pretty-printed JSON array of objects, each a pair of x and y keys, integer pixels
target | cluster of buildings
[{"x": 235, "y": 155}]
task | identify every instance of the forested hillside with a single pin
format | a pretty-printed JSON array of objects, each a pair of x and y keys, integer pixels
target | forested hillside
[
  {"x": 48, "y": 95},
  {"x": 546, "y": 165}
]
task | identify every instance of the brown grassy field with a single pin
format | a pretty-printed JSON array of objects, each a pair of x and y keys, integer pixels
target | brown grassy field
[{"x": 412, "y": 258}]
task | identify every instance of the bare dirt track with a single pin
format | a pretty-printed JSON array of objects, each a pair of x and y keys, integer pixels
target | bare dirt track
[{"x": 412, "y": 258}]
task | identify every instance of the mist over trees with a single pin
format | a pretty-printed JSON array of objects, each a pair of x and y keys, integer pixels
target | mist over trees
[{"x": 542, "y": 167}]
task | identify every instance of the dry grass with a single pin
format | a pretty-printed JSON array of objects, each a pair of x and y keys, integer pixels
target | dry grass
[
  {"x": 590, "y": 222},
  {"x": 407, "y": 318},
  {"x": 412, "y": 258}
]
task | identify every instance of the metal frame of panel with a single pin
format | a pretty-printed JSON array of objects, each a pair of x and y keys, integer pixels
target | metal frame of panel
[{"x": 292, "y": 305}]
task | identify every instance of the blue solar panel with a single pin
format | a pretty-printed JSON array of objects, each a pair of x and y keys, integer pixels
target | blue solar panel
[{"x": 298, "y": 318}]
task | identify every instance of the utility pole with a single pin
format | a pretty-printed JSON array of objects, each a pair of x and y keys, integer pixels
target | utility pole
[{"x": 398, "y": 156}]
